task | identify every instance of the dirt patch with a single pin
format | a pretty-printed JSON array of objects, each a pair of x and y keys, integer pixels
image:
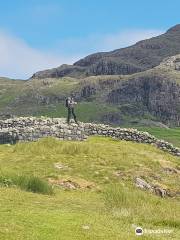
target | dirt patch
[{"x": 71, "y": 183}]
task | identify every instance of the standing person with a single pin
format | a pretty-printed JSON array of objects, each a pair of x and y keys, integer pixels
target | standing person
[{"x": 70, "y": 103}]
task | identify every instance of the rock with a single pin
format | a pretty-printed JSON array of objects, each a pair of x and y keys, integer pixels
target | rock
[
  {"x": 143, "y": 184},
  {"x": 67, "y": 184},
  {"x": 160, "y": 191}
]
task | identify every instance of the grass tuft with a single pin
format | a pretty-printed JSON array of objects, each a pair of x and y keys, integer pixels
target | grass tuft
[
  {"x": 33, "y": 184},
  {"x": 27, "y": 183}
]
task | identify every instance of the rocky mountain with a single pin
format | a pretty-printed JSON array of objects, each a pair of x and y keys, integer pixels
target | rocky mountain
[
  {"x": 141, "y": 56},
  {"x": 155, "y": 92}
]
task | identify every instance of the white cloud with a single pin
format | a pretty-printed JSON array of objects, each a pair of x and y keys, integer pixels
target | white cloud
[{"x": 19, "y": 60}]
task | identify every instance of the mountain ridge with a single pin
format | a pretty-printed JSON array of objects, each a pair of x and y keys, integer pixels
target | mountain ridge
[{"x": 139, "y": 57}]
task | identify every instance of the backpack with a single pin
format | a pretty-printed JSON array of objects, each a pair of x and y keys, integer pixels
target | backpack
[{"x": 66, "y": 103}]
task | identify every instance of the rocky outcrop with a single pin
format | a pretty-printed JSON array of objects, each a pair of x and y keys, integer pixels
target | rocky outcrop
[
  {"x": 31, "y": 129},
  {"x": 141, "y": 183},
  {"x": 171, "y": 63},
  {"x": 158, "y": 96},
  {"x": 110, "y": 67},
  {"x": 63, "y": 70}
]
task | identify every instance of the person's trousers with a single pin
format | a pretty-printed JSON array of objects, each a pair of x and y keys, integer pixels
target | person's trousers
[{"x": 71, "y": 112}]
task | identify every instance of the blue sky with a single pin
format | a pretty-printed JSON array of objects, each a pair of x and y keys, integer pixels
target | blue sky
[{"x": 41, "y": 34}]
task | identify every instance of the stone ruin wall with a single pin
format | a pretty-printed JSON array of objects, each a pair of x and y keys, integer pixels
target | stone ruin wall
[{"x": 31, "y": 129}]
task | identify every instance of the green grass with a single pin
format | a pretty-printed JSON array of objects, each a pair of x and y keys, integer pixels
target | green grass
[
  {"x": 171, "y": 135},
  {"x": 111, "y": 208}
]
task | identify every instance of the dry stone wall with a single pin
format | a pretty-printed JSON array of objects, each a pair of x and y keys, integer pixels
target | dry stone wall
[{"x": 31, "y": 129}]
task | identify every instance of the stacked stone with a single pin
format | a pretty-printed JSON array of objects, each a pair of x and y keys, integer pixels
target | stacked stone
[
  {"x": 31, "y": 129},
  {"x": 8, "y": 136},
  {"x": 130, "y": 134}
]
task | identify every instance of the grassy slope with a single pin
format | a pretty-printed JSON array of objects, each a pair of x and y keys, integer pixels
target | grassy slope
[{"x": 109, "y": 209}]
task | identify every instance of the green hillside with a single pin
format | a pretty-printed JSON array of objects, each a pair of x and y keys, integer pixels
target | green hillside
[{"x": 105, "y": 205}]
